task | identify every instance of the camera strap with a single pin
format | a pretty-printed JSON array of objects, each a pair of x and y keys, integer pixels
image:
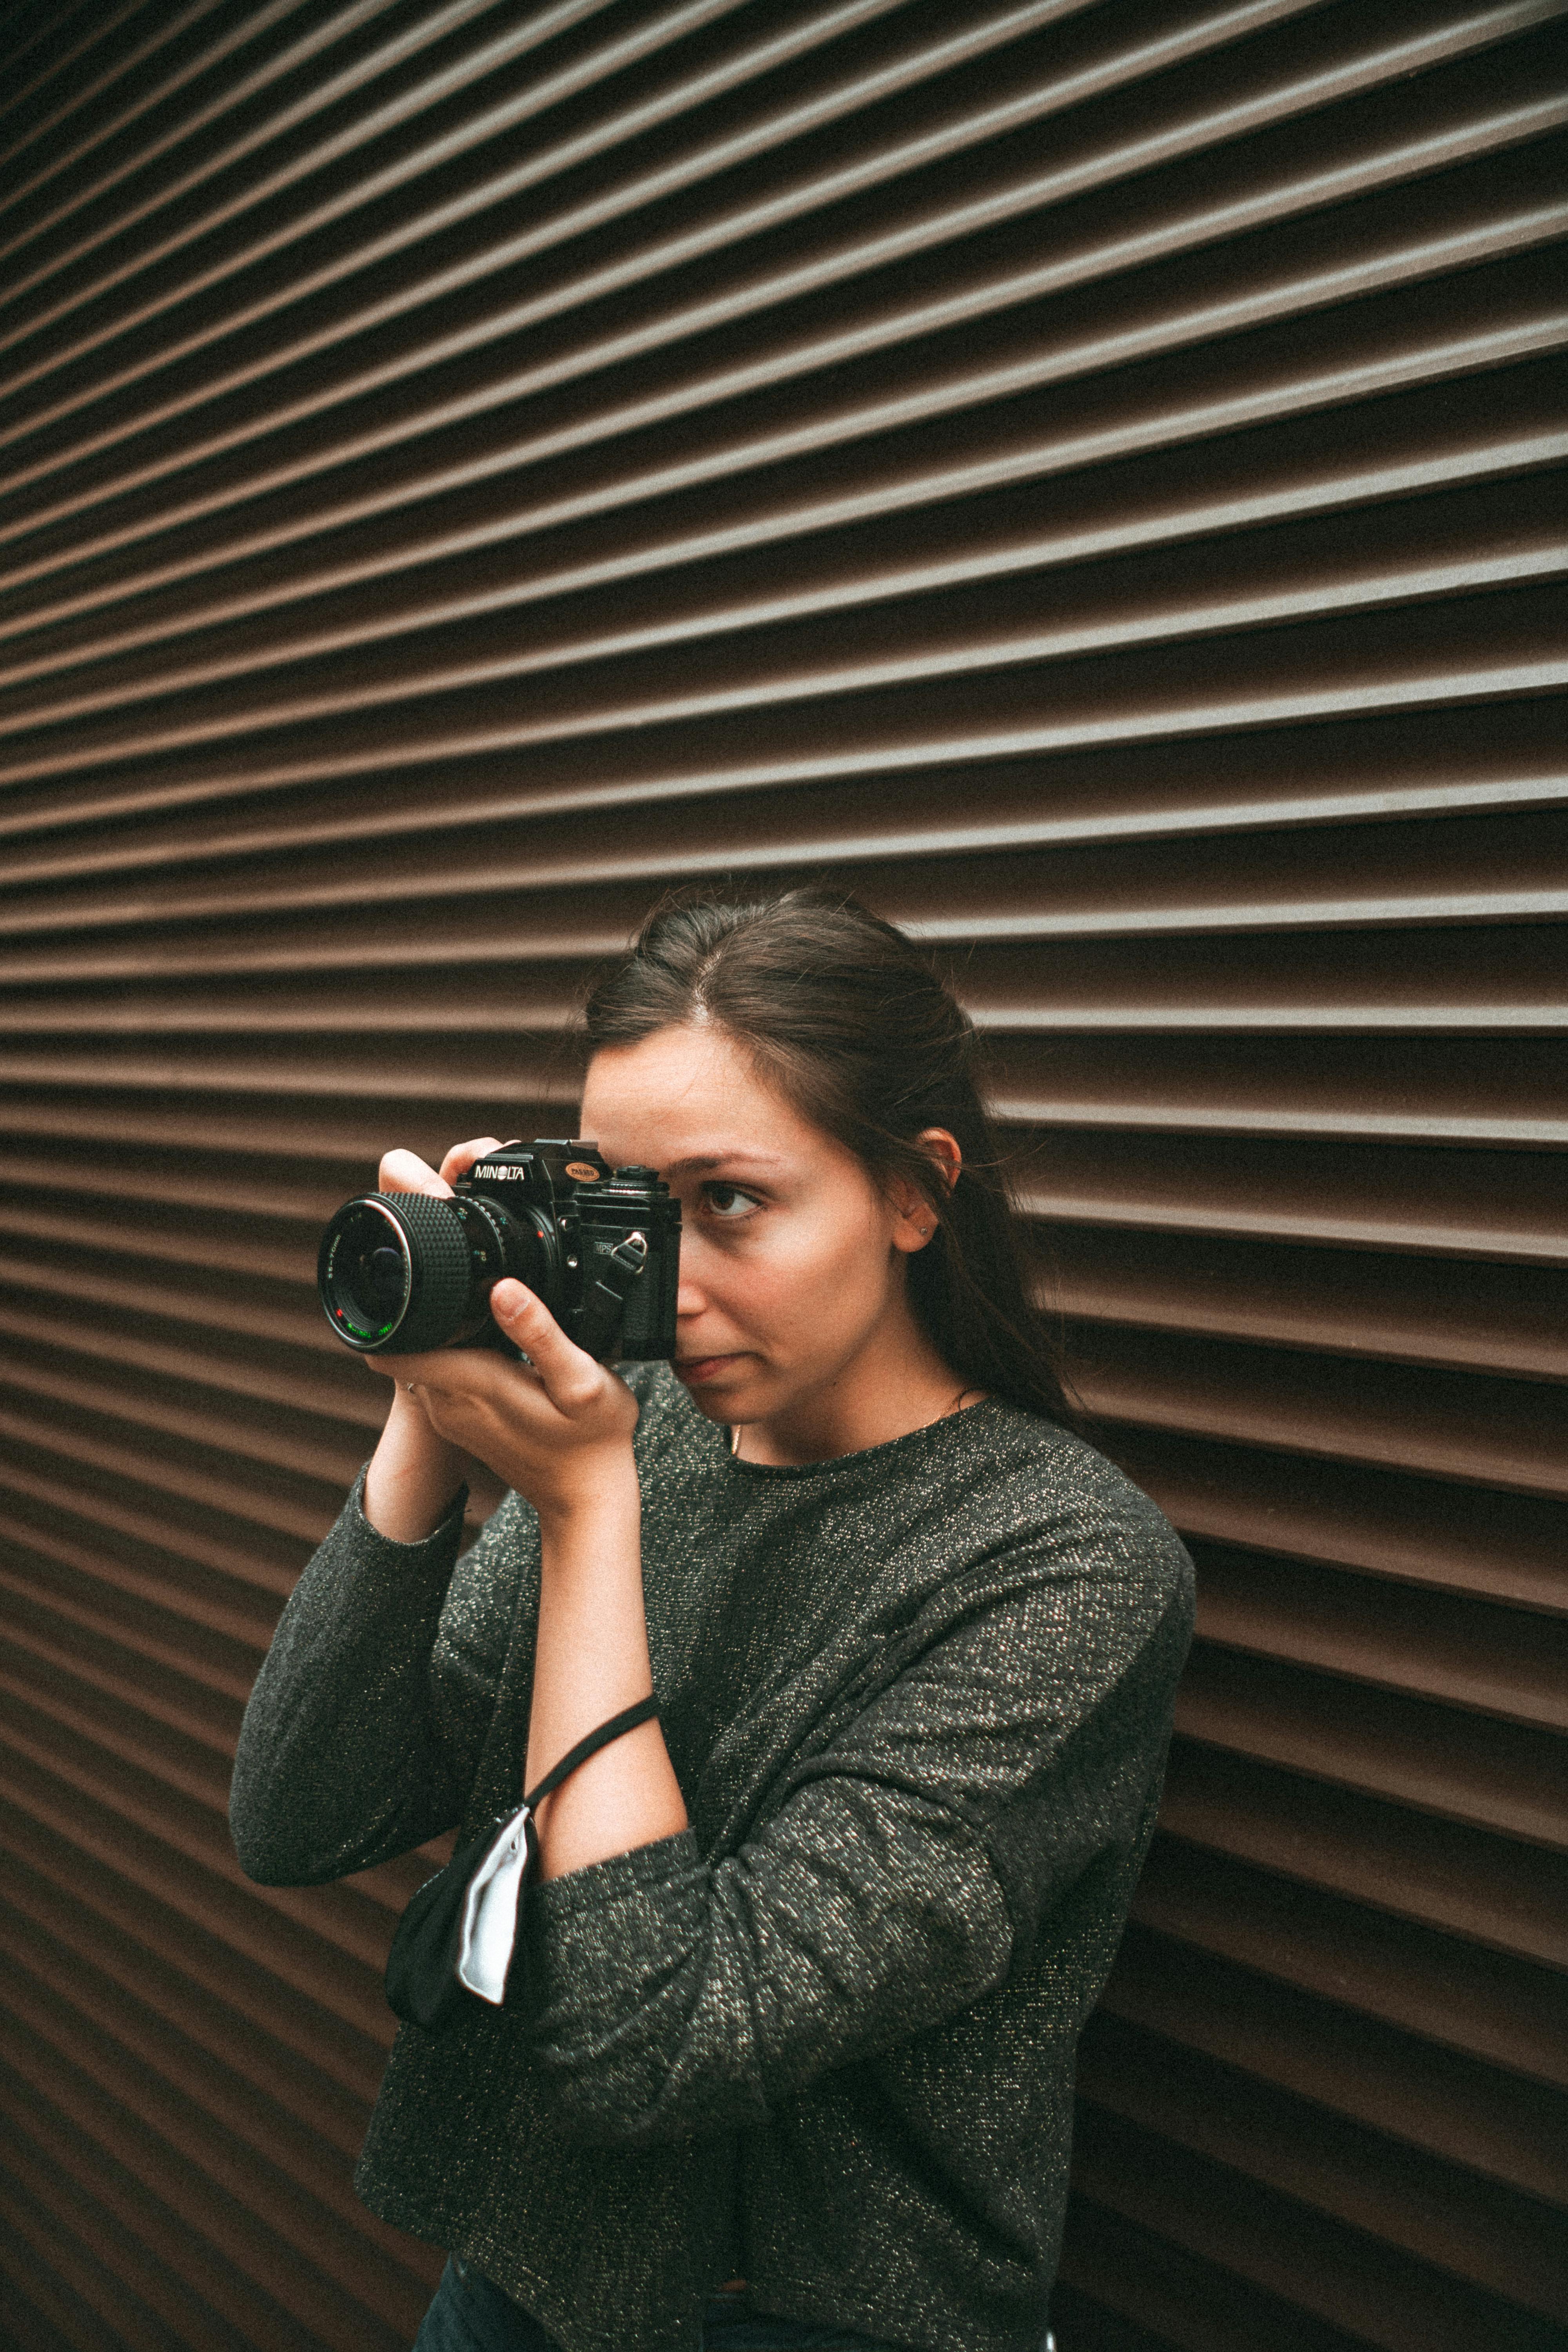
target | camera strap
[{"x": 605, "y": 1298}]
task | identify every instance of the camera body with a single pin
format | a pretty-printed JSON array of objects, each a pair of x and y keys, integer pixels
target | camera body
[{"x": 601, "y": 1247}]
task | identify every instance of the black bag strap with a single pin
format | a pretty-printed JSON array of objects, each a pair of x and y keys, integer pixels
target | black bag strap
[{"x": 627, "y": 1720}]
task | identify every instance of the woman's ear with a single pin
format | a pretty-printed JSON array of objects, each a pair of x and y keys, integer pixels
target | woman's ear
[
  {"x": 939, "y": 1145},
  {"x": 917, "y": 1220}
]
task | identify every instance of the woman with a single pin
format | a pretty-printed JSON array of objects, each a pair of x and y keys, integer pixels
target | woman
[{"x": 808, "y": 1954}]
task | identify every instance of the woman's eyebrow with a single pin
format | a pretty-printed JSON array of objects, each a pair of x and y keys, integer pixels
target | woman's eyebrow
[{"x": 702, "y": 1163}]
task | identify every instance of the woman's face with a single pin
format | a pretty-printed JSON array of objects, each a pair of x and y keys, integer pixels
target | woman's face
[{"x": 792, "y": 1260}]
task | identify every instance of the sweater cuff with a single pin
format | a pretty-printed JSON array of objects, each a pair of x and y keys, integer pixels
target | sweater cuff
[
  {"x": 598, "y": 1884},
  {"x": 438, "y": 1550},
  {"x": 604, "y": 1943}
]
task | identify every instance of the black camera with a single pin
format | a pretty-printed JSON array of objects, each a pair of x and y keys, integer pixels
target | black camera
[{"x": 600, "y": 1246}]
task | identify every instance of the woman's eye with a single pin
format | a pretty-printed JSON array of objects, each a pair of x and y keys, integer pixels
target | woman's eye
[{"x": 728, "y": 1200}]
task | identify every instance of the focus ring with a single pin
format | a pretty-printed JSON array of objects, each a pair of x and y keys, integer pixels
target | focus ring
[{"x": 437, "y": 1309}]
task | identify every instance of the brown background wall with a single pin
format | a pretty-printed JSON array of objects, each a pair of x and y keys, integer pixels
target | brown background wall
[{"x": 1082, "y": 474}]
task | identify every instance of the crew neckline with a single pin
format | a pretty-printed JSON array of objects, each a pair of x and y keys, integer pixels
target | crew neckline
[{"x": 840, "y": 1462}]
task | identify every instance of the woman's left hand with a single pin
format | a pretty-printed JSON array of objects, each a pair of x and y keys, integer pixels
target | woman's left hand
[{"x": 558, "y": 1428}]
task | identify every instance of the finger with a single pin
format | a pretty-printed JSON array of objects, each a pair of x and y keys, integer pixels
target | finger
[
  {"x": 405, "y": 1370},
  {"x": 439, "y": 1368},
  {"x": 449, "y": 1373},
  {"x": 405, "y": 1171},
  {"x": 569, "y": 1377},
  {"x": 462, "y": 1156}
]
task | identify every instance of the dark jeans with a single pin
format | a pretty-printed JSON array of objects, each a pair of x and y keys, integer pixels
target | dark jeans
[{"x": 472, "y": 2314}]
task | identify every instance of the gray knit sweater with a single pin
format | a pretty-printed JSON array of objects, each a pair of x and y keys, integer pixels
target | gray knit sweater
[{"x": 918, "y": 1700}]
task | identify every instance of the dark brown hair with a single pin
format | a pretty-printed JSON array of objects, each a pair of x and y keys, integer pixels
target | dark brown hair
[{"x": 841, "y": 1013}]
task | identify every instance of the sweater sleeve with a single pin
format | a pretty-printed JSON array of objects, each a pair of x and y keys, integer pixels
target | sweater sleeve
[
  {"x": 343, "y": 1758},
  {"x": 907, "y": 1863},
  {"x": 366, "y": 1726}
]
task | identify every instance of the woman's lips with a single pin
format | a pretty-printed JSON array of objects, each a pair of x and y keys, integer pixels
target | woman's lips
[{"x": 699, "y": 1370}]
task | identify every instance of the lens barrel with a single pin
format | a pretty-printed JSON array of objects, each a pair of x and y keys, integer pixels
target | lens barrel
[{"x": 397, "y": 1270}]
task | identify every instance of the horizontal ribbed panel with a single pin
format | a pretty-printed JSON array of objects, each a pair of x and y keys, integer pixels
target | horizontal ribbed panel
[{"x": 1089, "y": 478}]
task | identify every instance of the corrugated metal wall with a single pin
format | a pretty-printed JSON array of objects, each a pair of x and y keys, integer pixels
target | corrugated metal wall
[{"x": 1082, "y": 474}]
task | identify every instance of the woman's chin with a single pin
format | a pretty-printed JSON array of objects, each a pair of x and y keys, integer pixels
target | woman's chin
[
  {"x": 711, "y": 1408},
  {"x": 724, "y": 1388},
  {"x": 712, "y": 1378}
]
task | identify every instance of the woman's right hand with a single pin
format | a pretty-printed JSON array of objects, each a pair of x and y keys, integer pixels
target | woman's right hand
[{"x": 415, "y": 1471}]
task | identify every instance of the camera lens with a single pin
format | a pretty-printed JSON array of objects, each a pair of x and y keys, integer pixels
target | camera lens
[
  {"x": 381, "y": 1276},
  {"x": 395, "y": 1271},
  {"x": 367, "y": 1273}
]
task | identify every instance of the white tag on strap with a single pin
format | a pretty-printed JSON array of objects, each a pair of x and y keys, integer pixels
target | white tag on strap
[{"x": 489, "y": 1909}]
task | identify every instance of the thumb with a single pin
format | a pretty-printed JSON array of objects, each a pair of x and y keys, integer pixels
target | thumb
[{"x": 568, "y": 1376}]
